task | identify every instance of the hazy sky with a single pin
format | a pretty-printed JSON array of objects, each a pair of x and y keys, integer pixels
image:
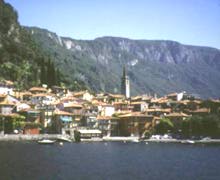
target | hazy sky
[{"x": 195, "y": 22}]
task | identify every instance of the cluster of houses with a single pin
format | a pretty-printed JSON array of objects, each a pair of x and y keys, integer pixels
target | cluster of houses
[{"x": 61, "y": 111}]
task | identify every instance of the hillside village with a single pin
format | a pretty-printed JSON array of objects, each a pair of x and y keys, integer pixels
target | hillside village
[{"x": 57, "y": 110}]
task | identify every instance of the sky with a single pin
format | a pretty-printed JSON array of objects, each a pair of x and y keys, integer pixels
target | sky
[{"x": 195, "y": 22}]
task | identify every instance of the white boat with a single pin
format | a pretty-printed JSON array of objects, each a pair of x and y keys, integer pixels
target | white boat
[
  {"x": 135, "y": 140},
  {"x": 188, "y": 142},
  {"x": 46, "y": 141},
  {"x": 66, "y": 139}
]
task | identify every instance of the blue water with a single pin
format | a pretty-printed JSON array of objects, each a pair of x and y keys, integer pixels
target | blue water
[{"x": 111, "y": 160}]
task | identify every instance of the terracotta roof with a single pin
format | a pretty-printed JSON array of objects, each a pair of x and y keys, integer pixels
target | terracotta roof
[
  {"x": 105, "y": 117},
  {"x": 160, "y": 101},
  {"x": 172, "y": 94},
  {"x": 72, "y": 105},
  {"x": 159, "y": 110},
  {"x": 80, "y": 93},
  {"x": 116, "y": 95},
  {"x": 42, "y": 95},
  {"x": 38, "y": 89},
  {"x": 136, "y": 97},
  {"x": 107, "y": 105},
  {"x": 115, "y": 103},
  {"x": 64, "y": 113},
  {"x": 29, "y": 109},
  {"x": 157, "y": 100},
  {"x": 123, "y": 112},
  {"x": 68, "y": 98},
  {"x": 99, "y": 97},
  {"x": 183, "y": 102},
  {"x": 202, "y": 110},
  {"x": 11, "y": 115},
  {"x": 134, "y": 114},
  {"x": 176, "y": 115},
  {"x": 98, "y": 103},
  {"x": 197, "y": 101},
  {"x": 55, "y": 102},
  {"x": 137, "y": 102},
  {"x": 26, "y": 93}
]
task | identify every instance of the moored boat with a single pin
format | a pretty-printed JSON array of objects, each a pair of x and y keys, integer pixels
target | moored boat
[
  {"x": 135, "y": 140},
  {"x": 65, "y": 139},
  {"x": 46, "y": 141},
  {"x": 188, "y": 142}
]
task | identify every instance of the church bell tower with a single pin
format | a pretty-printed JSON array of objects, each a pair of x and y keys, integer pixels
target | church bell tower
[{"x": 125, "y": 84}]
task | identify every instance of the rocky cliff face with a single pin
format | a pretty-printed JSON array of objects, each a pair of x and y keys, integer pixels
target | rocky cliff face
[{"x": 153, "y": 66}]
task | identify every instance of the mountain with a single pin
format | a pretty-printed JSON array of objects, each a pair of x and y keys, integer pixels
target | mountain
[
  {"x": 32, "y": 56},
  {"x": 153, "y": 66}
]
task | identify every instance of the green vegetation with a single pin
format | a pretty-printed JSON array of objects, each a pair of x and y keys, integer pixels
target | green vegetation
[
  {"x": 21, "y": 59},
  {"x": 196, "y": 125},
  {"x": 208, "y": 125},
  {"x": 9, "y": 123},
  {"x": 164, "y": 126},
  {"x": 49, "y": 74}
]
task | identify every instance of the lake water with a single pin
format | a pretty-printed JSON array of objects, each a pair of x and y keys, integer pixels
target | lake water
[{"x": 110, "y": 160}]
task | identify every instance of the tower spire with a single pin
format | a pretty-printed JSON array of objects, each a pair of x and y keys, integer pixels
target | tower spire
[
  {"x": 125, "y": 84},
  {"x": 124, "y": 71}
]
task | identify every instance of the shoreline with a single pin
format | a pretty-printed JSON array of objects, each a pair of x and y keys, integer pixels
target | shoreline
[
  {"x": 184, "y": 141},
  {"x": 24, "y": 137}
]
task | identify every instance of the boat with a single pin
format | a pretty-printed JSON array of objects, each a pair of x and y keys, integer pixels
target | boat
[
  {"x": 46, "y": 141},
  {"x": 188, "y": 142},
  {"x": 65, "y": 139},
  {"x": 135, "y": 140}
]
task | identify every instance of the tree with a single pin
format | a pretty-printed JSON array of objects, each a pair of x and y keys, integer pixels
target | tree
[
  {"x": 212, "y": 105},
  {"x": 164, "y": 126},
  {"x": 208, "y": 125},
  {"x": 43, "y": 76}
]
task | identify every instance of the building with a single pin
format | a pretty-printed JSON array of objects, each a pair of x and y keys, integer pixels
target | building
[
  {"x": 38, "y": 90},
  {"x": 85, "y": 95},
  {"x": 125, "y": 84},
  {"x": 134, "y": 124},
  {"x": 139, "y": 106},
  {"x": 62, "y": 122},
  {"x": 108, "y": 125},
  {"x": 6, "y": 87},
  {"x": 7, "y": 104}
]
